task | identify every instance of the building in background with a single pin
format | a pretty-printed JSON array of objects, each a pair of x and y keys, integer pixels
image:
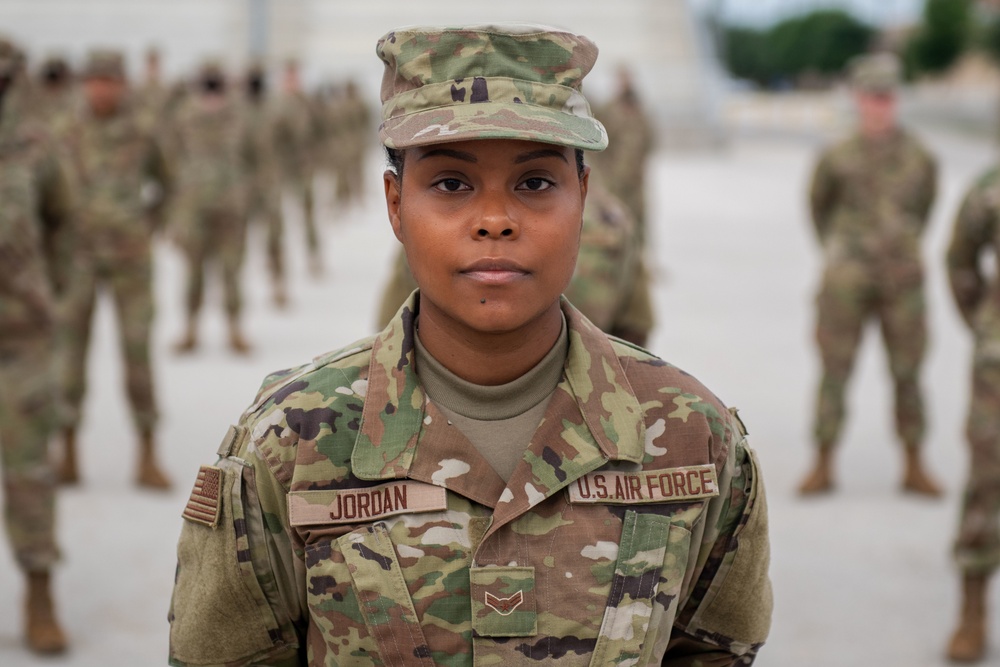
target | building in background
[{"x": 660, "y": 39}]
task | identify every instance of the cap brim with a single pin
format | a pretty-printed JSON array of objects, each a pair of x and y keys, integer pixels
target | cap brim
[{"x": 493, "y": 120}]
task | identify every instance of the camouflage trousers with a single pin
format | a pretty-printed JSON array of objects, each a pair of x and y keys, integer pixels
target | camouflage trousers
[
  {"x": 130, "y": 282},
  {"x": 265, "y": 204},
  {"x": 302, "y": 190},
  {"x": 27, "y": 418},
  {"x": 977, "y": 548},
  {"x": 852, "y": 294},
  {"x": 217, "y": 236}
]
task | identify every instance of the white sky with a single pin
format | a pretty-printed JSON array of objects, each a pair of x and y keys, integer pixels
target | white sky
[{"x": 879, "y": 12}]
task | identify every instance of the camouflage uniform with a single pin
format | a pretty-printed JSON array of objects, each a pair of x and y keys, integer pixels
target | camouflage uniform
[
  {"x": 298, "y": 136},
  {"x": 34, "y": 225},
  {"x": 113, "y": 160},
  {"x": 976, "y": 233},
  {"x": 215, "y": 157},
  {"x": 321, "y": 581},
  {"x": 347, "y": 523},
  {"x": 606, "y": 269},
  {"x": 623, "y": 168},
  {"x": 870, "y": 202}
]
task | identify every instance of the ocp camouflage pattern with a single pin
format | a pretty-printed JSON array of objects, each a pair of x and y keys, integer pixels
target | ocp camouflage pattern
[
  {"x": 975, "y": 240},
  {"x": 480, "y": 82},
  {"x": 870, "y": 203},
  {"x": 476, "y": 571}
]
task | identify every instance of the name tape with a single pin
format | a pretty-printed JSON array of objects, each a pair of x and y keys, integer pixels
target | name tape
[
  {"x": 646, "y": 486},
  {"x": 357, "y": 505}
]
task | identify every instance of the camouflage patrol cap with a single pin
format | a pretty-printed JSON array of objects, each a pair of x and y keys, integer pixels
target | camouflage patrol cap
[
  {"x": 876, "y": 73},
  {"x": 502, "y": 81},
  {"x": 104, "y": 64}
]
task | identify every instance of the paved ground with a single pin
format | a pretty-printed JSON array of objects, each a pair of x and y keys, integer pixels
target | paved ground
[{"x": 861, "y": 577}]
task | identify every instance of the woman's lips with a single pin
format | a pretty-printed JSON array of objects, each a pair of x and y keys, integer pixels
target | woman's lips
[{"x": 495, "y": 271}]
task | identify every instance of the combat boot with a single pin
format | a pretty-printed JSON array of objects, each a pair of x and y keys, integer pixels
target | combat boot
[
  {"x": 150, "y": 475},
  {"x": 42, "y": 631},
  {"x": 968, "y": 644},
  {"x": 68, "y": 473},
  {"x": 820, "y": 478},
  {"x": 237, "y": 342},
  {"x": 189, "y": 342},
  {"x": 916, "y": 479}
]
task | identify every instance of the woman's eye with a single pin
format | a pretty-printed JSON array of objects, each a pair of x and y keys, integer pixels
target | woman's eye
[
  {"x": 450, "y": 185},
  {"x": 536, "y": 184}
]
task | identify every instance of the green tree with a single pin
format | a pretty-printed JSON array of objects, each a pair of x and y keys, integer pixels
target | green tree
[
  {"x": 942, "y": 37},
  {"x": 820, "y": 42}
]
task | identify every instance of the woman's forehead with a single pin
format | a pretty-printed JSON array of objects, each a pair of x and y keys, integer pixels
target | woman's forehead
[{"x": 514, "y": 149}]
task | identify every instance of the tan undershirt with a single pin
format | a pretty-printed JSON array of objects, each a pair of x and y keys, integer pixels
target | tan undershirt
[{"x": 500, "y": 420}]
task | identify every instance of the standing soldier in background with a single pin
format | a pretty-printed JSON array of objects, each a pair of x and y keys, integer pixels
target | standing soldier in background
[
  {"x": 298, "y": 137},
  {"x": 264, "y": 191},
  {"x": 33, "y": 221},
  {"x": 977, "y": 293},
  {"x": 115, "y": 154},
  {"x": 870, "y": 199},
  {"x": 215, "y": 161},
  {"x": 623, "y": 168},
  {"x": 54, "y": 90}
]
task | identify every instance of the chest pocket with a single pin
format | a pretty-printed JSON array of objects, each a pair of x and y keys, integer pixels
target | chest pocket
[
  {"x": 362, "y": 583},
  {"x": 645, "y": 588}
]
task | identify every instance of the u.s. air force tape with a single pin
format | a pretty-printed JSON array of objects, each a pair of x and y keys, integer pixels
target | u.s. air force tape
[
  {"x": 307, "y": 508},
  {"x": 645, "y": 486}
]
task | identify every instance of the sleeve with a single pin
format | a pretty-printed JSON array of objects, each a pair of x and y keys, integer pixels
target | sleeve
[
  {"x": 161, "y": 171},
  {"x": 823, "y": 195},
  {"x": 56, "y": 211},
  {"x": 973, "y": 229},
  {"x": 927, "y": 192},
  {"x": 237, "y": 599},
  {"x": 727, "y": 617}
]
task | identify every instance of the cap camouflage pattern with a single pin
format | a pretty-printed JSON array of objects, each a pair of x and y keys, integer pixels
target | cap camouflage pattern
[
  {"x": 876, "y": 73},
  {"x": 503, "y": 81},
  {"x": 104, "y": 64}
]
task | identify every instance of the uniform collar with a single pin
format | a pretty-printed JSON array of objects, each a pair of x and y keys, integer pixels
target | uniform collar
[{"x": 605, "y": 424}]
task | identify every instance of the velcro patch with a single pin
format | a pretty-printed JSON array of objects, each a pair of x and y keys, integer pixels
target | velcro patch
[
  {"x": 645, "y": 486},
  {"x": 307, "y": 508},
  {"x": 204, "y": 505}
]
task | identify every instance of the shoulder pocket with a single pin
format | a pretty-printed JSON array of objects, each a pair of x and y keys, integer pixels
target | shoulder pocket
[{"x": 219, "y": 613}]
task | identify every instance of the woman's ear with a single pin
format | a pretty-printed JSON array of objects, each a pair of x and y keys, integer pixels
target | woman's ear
[
  {"x": 585, "y": 184},
  {"x": 392, "y": 184}
]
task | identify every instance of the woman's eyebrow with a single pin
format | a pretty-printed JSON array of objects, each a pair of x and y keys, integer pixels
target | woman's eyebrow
[
  {"x": 545, "y": 152},
  {"x": 448, "y": 152}
]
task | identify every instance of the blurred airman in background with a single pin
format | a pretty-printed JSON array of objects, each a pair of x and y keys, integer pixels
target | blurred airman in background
[
  {"x": 622, "y": 167},
  {"x": 870, "y": 197},
  {"x": 298, "y": 139},
  {"x": 215, "y": 166},
  {"x": 34, "y": 228},
  {"x": 116, "y": 154}
]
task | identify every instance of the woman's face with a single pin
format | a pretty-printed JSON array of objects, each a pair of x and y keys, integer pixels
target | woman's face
[{"x": 491, "y": 228}]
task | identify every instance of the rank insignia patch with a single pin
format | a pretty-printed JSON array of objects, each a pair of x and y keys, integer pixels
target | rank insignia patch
[
  {"x": 504, "y": 606},
  {"x": 204, "y": 504}
]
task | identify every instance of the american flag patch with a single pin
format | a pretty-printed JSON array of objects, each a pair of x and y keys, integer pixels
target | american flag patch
[{"x": 204, "y": 504}]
